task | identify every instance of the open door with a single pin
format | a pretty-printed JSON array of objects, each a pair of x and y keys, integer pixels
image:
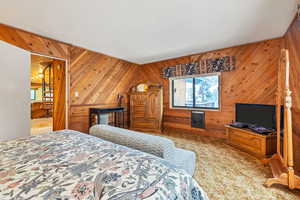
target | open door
[
  {"x": 59, "y": 100},
  {"x": 14, "y": 89}
]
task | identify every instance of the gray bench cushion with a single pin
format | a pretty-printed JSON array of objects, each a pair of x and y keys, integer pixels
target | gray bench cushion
[
  {"x": 185, "y": 159},
  {"x": 158, "y": 146},
  {"x": 155, "y": 145}
]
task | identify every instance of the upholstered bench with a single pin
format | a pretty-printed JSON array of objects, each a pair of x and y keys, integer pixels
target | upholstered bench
[{"x": 155, "y": 145}]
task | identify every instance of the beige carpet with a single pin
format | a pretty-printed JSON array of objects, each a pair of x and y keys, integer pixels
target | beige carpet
[
  {"x": 41, "y": 125},
  {"x": 227, "y": 173}
]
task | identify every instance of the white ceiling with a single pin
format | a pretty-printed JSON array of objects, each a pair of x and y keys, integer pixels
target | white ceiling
[{"x": 143, "y": 31}]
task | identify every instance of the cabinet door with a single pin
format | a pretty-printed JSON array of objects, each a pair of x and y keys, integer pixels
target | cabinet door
[
  {"x": 59, "y": 85},
  {"x": 145, "y": 110},
  {"x": 153, "y": 105},
  {"x": 138, "y": 104}
]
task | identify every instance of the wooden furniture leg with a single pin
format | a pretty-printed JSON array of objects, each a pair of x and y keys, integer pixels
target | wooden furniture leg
[{"x": 282, "y": 163}]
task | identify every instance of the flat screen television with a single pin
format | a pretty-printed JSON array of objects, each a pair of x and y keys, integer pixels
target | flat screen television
[{"x": 258, "y": 114}]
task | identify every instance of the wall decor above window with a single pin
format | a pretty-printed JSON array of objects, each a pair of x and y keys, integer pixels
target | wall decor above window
[{"x": 223, "y": 64}]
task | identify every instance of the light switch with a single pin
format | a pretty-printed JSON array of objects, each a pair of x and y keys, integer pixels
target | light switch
[{"x": 76, "y": 94}]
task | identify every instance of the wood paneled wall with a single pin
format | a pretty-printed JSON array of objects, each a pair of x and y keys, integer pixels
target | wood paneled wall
[
  {"x": 292, "y": 39},
  {"x": 96, "y": 77},
  {"x": 254, "y": 81},
  {"x": 34, "y": 43}
]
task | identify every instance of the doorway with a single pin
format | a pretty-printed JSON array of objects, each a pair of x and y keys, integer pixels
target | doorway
[{"x": 48, "y": 88}]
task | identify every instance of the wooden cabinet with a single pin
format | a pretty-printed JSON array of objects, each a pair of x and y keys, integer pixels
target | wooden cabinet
[
  {"x": 37, "y": 111},
  {"x": 261, "y": 146},
  {"x": 146, "y": 108}
]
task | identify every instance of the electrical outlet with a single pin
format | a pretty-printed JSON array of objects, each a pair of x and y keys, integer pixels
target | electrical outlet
[{"x": 76, "y": 94}]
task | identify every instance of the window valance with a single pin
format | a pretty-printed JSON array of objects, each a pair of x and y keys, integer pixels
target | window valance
[{"x": 223, "y": 64}]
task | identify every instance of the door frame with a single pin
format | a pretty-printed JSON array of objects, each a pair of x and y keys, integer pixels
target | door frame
[{"x": 67, "y": 85}]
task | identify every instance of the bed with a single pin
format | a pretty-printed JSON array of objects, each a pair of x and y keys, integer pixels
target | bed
[{"x": 67, "y": 165}]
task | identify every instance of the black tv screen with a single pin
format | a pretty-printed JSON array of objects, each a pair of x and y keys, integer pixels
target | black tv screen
[{"x": 260, "y": 115}]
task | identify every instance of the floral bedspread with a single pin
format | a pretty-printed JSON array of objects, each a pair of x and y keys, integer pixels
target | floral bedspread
[{"x": 67, "y": 165}]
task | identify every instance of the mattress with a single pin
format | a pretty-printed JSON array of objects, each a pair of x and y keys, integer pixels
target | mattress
[{"x": 67, "y": 165}]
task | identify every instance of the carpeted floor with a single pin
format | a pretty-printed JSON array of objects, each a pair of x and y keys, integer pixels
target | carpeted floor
[
  {"x": 227, "y": 173},
  {"x": 41, "y": 125}
]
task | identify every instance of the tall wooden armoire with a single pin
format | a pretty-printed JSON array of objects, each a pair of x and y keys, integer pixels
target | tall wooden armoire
[{"x": 146, "y": 107}]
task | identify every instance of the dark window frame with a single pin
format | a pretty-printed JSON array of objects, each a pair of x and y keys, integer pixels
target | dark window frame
[{"x": 194, "y": 96}]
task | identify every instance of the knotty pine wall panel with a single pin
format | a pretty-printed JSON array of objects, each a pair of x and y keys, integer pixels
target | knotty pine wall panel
[
  {"x": 254, "y": 81},
  {"x": 292, "y": 39},
  {"x": 97, "y": 79},
  {"x": 34, "y": 43}
]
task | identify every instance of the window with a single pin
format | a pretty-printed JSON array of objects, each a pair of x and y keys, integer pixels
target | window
[
  {"x": 33, "y": 94},
  {"x": 196, "y": 92}
]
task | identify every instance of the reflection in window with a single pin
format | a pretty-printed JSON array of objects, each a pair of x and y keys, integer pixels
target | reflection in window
[
  {"x": 197, "y": 92},
  {"x": 183, "y": 92},
  {"x": 33, "y": 94}
]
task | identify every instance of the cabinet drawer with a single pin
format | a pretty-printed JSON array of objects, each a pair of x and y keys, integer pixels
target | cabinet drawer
[
  {"x": 246, "y": 141},
  {"x": 146, "y": 124},
  {"x": 79, "y": 111},
  {"x": 138, "y": 111}
]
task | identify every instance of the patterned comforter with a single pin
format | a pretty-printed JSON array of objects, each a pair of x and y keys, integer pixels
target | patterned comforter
[{"x": 67, "y": 165}]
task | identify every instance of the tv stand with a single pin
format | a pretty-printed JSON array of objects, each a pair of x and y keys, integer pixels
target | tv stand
[{"x": 258, "y": 145}]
